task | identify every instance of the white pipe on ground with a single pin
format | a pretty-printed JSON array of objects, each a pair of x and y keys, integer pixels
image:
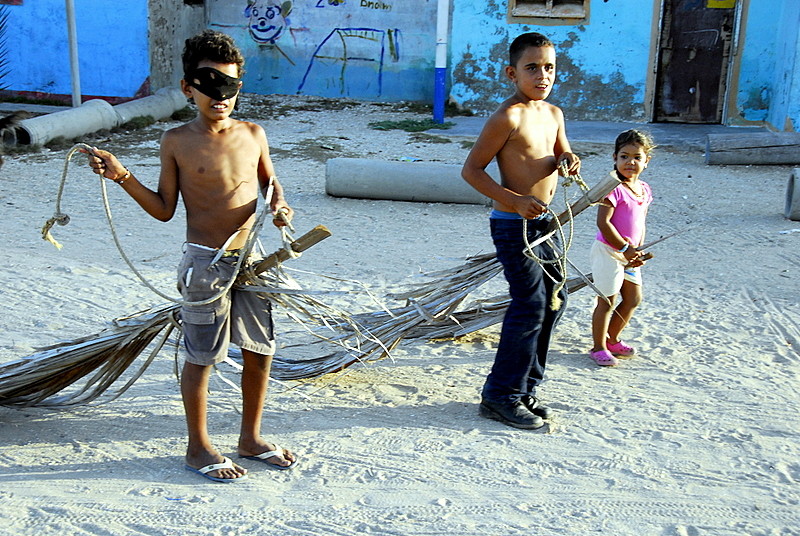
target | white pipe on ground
[
  {"x": 97, "y": 114},
  {"x": 91, "y": 116},
  {"x": 430, "y": 182},
  {"x": 163, "y": 104}
]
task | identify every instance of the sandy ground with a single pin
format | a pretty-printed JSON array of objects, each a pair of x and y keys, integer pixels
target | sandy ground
[{"x": 698, "y": 435}]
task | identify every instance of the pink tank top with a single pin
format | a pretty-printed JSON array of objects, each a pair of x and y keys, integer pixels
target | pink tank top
[{"x": 629, "y": 212}]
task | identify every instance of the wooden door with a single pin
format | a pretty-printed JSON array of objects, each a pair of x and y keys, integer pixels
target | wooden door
[{"x": 693, "y": 60}]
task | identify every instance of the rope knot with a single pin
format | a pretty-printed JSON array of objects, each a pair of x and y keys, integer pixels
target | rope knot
[{"x": 59, "y": 218}]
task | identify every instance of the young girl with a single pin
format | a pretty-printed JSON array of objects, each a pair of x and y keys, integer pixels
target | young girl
[{"x": 615, "y": 256}]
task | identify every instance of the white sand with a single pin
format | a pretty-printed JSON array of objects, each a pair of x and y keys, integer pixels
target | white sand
[{"x": 698, "y": 435}]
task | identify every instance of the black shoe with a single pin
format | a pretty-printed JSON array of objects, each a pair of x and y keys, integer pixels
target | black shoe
[
  {"x": 535, "y": 407},
  {"x": 511, "y": 413}
]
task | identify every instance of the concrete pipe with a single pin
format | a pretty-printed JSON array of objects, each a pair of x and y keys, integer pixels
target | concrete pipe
[
  {"x": 429, "y": 182},
  {"x": 163, "y": 104},
  {"x": 792, "y": 209},
  {"x": 91, "y": 116}
]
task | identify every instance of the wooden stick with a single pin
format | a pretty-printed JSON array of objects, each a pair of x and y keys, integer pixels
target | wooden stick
[
  {"x": 657, "y": 240},
  {"x": 314, "y": 236},
  {"x": 595, "y": 195}
]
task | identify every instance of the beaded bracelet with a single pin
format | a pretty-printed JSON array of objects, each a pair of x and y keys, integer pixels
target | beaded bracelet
[{"x": 124, "y": 177}]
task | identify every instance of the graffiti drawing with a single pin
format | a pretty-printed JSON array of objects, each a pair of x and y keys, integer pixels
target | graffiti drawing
[
  {"x": 267, "y": 19},
  {"x": 345, "y": 48}
]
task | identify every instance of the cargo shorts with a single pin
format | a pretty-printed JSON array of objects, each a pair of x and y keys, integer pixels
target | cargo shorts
[{"x": 240, "y": 317}]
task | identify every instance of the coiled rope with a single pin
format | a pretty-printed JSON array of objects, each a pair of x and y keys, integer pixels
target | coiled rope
[
  {"x": 62, "y": 218},
  {"x": 560, "y": 260}
]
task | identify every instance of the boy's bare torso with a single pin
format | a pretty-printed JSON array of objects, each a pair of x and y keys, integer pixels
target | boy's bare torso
[
  {"x": 217, "y": 176},
  {"x": 527, "y": 160}
]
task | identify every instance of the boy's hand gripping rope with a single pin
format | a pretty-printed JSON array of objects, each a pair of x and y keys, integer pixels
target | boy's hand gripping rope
[
  {"x": 63, "y": 219},
  {"x": 561, "y": 260}
]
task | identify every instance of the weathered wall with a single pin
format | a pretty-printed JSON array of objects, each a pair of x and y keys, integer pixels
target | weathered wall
[
  {"x": 383, "y": 50},
  {"x": 171, "y": 23},
  {"x": 758, "y": 61},
  {"x": 781, "y": 91},
  {"x": 602, "y": 66},
  {"x": 110, "y": 48},
  {"x": 363, "y": 49},
  {"x": 791, "y": 115}
]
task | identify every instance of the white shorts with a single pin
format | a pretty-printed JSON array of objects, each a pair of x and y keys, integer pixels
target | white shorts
[{"x": 608, "y": 269}]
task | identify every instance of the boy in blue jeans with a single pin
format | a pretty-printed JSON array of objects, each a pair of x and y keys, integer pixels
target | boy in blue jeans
[{"x": 527, "y": 137}]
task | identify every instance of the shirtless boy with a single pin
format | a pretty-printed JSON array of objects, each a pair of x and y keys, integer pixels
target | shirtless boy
[
  {"x": 526, "y": 135},
  {"x": 218, "y": 165}
]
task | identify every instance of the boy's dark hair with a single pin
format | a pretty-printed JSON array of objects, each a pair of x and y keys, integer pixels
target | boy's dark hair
[
  {"x": 634, "y": 136},
  {"x": 530, "y": 39},
  {"x": 213, "y": 46}
]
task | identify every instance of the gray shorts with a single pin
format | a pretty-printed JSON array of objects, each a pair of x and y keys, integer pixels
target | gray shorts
[{"x": 239, "y": 317}]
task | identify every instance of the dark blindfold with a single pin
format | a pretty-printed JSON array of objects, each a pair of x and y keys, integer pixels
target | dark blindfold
[{"x": 212, "y": 83}]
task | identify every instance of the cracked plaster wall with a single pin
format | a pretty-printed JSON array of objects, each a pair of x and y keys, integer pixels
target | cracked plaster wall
[
  {"x": 171, "y": 22},
  {"x": 601, "y": 66}
]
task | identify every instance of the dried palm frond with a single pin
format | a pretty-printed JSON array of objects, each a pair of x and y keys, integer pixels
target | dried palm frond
[
  {"x": 101, "y": 358},
  {"x": 371, "y": 336},
  {"x": 429, "y": 309}
]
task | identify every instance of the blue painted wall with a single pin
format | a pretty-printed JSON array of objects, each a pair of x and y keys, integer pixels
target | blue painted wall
[
  {"x": 759, "y": 60},
  {"x": 363, "y": 49},
  {"x": 112, "y": 47},
  {"x": 769, "y": 85},
  {"x": 383, "y": 50},
  {"x": 602, "y": 66}
]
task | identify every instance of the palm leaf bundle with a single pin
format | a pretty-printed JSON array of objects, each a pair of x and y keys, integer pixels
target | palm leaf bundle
[
  {"x": 102, "y": 358},
  {"x": 371, "y": 336},
  {"x": 431, "y": 309}
]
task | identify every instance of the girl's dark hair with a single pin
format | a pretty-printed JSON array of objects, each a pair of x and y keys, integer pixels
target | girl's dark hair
[
  {"x": 212, "y": 46},
  {"x": 635, "y": 136},
  {"x": 530, "y": 39}
]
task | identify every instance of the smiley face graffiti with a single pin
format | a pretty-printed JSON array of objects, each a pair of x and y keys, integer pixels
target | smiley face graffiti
[{"x": 267, "y": 19}]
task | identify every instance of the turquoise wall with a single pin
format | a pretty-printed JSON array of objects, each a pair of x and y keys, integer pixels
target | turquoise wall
[
  {"x": 602, "y": 66},
  {"x": 758, "y": 62},
  {"x": 383, "y": 50},
  {"x": 362, "y": 49},
  {"x": 112, "y": 47},
  {"x": 769, "y": 84}
]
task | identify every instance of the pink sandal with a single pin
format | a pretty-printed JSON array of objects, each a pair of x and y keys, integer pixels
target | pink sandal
[
  {"x": 604, "y": 358},
  {"x": 621, "y": 349}
]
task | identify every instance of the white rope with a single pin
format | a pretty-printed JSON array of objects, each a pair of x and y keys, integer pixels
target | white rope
[
  {"x": 560, "y": 260},
  {"x": 63, "y": 219}
]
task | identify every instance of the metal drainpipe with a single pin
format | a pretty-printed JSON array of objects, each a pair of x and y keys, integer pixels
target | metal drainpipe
[
  {"x": 73, "y": 54},
  {"x": 440, "y": 76}
]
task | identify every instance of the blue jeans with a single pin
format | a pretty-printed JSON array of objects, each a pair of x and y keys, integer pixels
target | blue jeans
[{"x": 529, "y": 320}]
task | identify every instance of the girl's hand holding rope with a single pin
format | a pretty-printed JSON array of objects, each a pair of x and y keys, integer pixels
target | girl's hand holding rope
[
  {"x": 639, "y": 260},
  {"x": 632, "y": 254}
]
